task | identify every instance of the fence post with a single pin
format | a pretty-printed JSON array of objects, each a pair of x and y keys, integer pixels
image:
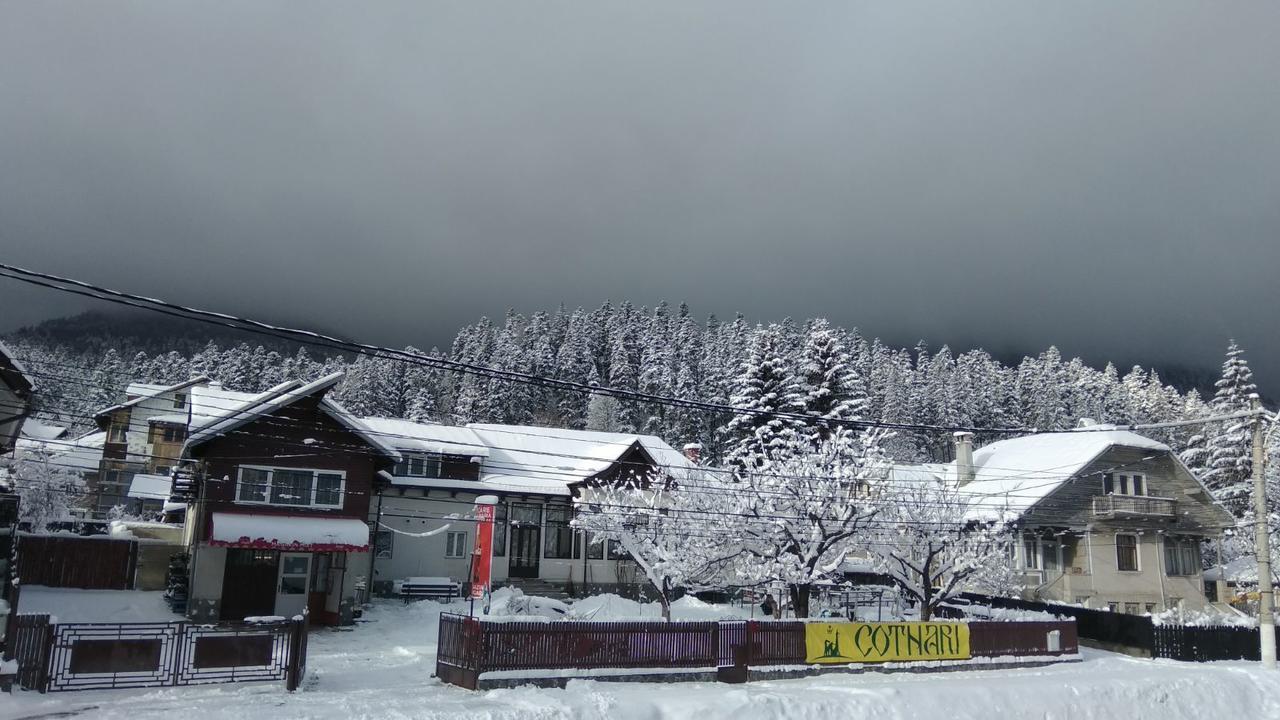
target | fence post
[
  {"x": 46, "y": 656},
  {"x": 297, "y": 653},
  {"x": 11, "y": 622}
]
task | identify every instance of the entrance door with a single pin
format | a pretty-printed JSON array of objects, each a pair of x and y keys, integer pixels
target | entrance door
[
  {"x": 248, "y": 584},
  {"x": 295, "y": 579},
  {"x": 526, "y": 540}
]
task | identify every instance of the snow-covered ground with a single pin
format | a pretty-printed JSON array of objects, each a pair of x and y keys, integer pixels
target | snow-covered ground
[
  {"x": 382, "y": 669},
  {"x": 88, "y": 606}
]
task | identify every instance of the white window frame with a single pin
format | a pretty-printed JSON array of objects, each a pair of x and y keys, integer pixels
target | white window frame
[
  {"x": 459, "y": 546},
  {"x": 427, "y": 460},
  {"x": 315, "y": 479},
  {"x": 1125, "y": 484},
  {"x": 1037, "y": 555},
  {"x": 1137, "y": 552}
]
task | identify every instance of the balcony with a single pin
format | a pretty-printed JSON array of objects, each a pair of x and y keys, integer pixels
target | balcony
[{"x": 1108, "y": 506}]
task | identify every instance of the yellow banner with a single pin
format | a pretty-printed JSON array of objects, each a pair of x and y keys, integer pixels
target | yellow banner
[{"x": 885, "y": 642}]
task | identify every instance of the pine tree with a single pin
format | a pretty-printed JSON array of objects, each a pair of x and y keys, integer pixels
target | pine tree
[
  {"x": 830, "y": 385},
  {"x": 1230, "y": 442},
  {"x": 766, "y": 384}
]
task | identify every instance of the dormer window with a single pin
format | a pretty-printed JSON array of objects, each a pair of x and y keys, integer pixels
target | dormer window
[
  {"x": 179, "y": 401},
  {"x": 419, "y": 465},
  {"x": 1124, "y": 484}
]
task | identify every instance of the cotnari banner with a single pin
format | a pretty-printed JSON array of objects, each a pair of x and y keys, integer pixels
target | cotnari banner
[{"x": 885, "y": 642}]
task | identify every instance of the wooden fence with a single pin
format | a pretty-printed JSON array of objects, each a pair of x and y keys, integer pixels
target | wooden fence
[
  {"x": 468, "y": 647},
  {"x": 90, "y": 656},
  {"x": 1205, "y": 643},
  {"x": 1133, "y": 633},
  {"x": 88, "y": 563},
  {"x": 1137, "y": 633}
]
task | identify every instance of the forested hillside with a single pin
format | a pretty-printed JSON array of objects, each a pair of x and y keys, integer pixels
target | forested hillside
[{"x": 84, "y": 364}]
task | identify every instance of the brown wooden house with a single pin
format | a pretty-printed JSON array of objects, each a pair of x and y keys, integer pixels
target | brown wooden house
[{"x": 277, "y": 521}]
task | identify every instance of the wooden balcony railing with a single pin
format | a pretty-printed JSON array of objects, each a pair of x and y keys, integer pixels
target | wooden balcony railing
[{"x": 1132, "y": 505}]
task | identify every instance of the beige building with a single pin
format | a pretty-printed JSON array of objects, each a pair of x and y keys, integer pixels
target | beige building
[{"x": 1107, "y": 518}]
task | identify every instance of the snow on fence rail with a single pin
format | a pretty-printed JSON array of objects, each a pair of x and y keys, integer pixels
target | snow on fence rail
[
  {"x": 1138, "y": 634},
  {"x": 469, "y": 647},
  {"x": 85, "y": 656}
]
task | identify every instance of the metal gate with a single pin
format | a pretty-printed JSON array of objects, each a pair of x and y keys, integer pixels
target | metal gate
[{"x": 91, "y": 656}]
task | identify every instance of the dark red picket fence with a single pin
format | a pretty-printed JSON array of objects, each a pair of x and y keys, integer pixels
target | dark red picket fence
[
  {"x": 88, "y": 563},
  {"x": 469, "y": 647},
  {"x": 993, "y": 639},
  {"x": 534, "y": 645}
]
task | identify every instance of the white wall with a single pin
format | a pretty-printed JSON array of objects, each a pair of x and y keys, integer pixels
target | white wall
[{"x": 421, "y": 510}]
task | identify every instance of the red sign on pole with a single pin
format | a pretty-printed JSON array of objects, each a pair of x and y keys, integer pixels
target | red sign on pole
[{"x": 482, "y": 560}]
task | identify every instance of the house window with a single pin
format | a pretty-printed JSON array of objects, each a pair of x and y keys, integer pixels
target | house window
[
  {"x": 500, "y": 530},
  {"x": 1181, "y": 556},
  {"x": 383, "y": 543},
  {"x": 558, "y": 544},
  {"x": 290, "y": 486},
  {"x": 455, "y": 545},
  {"x": 418, "y": 465},
  {"x": 1127, "y": 553},
  {"x": 1113, "y": 607},
  {"x": 1124, "y": 484},
  {"x": 1131, "y": 608},
  {"x": 179, "y": 401},
  {"x": 117, "y": 433},
  {"x": 1031, "y": 553}
]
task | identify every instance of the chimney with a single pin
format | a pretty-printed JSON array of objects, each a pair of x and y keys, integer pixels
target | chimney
[
  {"x": 693, "y": 451},
  {"x": 964, "y": 458}
]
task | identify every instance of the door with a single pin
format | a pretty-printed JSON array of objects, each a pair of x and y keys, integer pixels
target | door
[
  {"x": 526, "y": 540},
  {"x": 249, "y": 584},
  {"x": 295, "y": 579}
]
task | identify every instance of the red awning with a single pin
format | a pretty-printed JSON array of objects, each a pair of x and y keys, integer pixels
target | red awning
[{"x": 289, "y": 532}]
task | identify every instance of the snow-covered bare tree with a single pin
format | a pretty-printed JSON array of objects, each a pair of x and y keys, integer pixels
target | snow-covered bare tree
[
  {"x": 934, "y": 538},
  {"x": 665, "y": 529},
  {"x": 47, "y": 490},
  {"x": 801, "y": 516}
]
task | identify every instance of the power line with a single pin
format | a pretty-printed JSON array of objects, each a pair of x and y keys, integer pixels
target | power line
[{"x": 86, "y": 289}]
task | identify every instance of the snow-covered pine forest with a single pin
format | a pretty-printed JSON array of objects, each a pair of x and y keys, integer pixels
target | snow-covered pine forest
[{"x": 810, "y": 367}]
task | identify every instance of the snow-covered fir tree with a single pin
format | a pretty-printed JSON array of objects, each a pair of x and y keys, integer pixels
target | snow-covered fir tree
[
  {"x": 1230, "y": 443},
  {"x": 765, "y": 384}
]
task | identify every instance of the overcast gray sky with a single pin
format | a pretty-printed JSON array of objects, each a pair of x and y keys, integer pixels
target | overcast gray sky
[{"x": 1100, "y": 175}]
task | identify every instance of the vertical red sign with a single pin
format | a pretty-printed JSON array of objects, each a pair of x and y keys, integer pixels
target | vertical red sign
[{"x": 483, "y": 559}]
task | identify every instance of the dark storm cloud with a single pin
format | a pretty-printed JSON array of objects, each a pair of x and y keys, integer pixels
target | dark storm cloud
[{"x": 1098, "y": 175}]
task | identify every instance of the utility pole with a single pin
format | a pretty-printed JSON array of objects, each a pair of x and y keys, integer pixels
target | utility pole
[{"x": 1262, "y": 543}]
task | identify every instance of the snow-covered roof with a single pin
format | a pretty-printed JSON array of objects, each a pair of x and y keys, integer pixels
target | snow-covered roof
[
  {"x": 172, "y": 418},
  {"x": 539, "y": 459},
  {"x": 427, "y": 437},
  {"x": 281, "y": 396},
  {"x": 150, "y": 487},
  {"x": 36, "y": 430},
  {"x": 522, "y": 458},
  {"x": 1020, "y": 472},
  {"x": 1011, "y": 476},
  {"x": 211, "y": 401},
  {"x": 83, "y": 454},
  {"x": 19, "y": 378},
  {"x": 144, "y": 391},
  {"x": 289, "y": 532}
]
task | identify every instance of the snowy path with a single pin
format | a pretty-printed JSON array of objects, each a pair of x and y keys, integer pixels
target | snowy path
[{"x": 383, "y": 670}]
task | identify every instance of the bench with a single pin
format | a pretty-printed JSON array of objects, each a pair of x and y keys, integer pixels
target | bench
[{"x": 432, "y": 588}]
